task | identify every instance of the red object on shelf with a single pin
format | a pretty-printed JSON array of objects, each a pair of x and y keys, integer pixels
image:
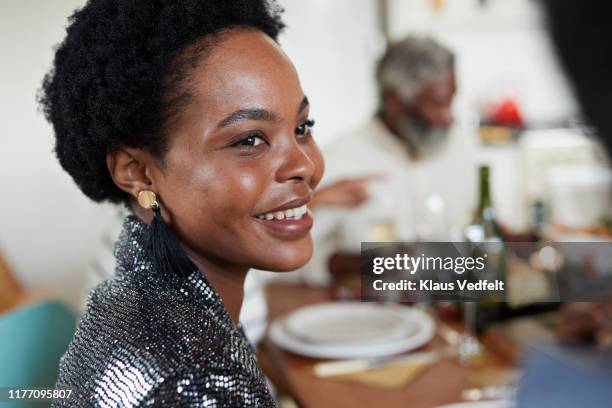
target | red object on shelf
[{"x": 507, "y": 113}]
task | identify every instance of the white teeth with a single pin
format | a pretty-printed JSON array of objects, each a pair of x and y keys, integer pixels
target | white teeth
[{"x": 292, "y": 213}]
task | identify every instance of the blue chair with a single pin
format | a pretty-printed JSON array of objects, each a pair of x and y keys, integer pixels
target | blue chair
[{"x": 32, "y": 340}]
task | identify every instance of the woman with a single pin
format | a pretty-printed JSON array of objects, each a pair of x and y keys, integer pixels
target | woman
[{"x": 188, "y": 112}]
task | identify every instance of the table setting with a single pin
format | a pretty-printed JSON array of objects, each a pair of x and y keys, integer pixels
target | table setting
[{"x": 325, "y": 352}]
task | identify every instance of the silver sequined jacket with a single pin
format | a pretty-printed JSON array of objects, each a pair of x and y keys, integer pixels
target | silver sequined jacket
[{"x": 151, "y": 340}]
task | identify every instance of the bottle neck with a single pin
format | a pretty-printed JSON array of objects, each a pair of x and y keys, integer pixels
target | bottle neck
[{"x": 485, "y": 191}]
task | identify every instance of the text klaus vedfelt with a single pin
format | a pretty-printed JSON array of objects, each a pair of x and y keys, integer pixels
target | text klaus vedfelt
[{"x": 413, "y": 264}]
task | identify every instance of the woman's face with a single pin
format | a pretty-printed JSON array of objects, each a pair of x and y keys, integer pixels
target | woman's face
[{"x": 240, "y": 153}]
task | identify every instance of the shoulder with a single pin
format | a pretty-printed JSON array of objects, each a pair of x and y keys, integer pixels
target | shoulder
[
  {"x": 211, "y": 386},
  {"x": 123, "y": 312},
  {"x": 128, "y": 334},
  {"x": 141, "y": 383},
  {"x": 160, "y": 355}
]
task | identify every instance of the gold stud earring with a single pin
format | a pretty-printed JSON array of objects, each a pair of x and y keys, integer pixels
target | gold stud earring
[{"x": 147, "y": 199}]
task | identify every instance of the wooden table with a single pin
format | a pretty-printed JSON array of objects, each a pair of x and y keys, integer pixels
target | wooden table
[{"x": 439, "y": 384}]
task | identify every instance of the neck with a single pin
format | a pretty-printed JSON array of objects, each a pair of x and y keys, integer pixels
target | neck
[{"x": 227, "y": 281}]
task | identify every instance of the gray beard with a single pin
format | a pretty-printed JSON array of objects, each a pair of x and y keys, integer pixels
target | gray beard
[{"x": 423, "y": 141}]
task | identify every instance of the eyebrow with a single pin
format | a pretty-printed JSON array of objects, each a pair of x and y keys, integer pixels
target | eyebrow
[
  {"x": 256, "y": 114},
  {"x": 303, "y": 105}
]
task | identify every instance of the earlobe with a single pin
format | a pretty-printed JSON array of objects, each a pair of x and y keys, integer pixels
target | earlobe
[{"x": 128, "y": 169}]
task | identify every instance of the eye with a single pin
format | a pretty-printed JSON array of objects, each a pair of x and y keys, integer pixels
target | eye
[
  {"x": 305, "y": 128},
  {"x": 250, "y": 141}
]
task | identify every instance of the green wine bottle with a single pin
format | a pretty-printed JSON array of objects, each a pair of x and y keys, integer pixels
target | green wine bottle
[
  {"x": 483, "y": 226},
  {"x": 484, "y": 232}
]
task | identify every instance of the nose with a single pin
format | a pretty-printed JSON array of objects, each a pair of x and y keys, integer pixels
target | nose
[{"x": 296, "y": 165}]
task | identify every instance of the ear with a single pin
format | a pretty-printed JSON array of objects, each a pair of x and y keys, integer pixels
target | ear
[{"x": 131, "y": 170}]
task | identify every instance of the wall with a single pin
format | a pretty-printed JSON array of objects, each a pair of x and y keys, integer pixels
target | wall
[
  {"x": 500, "y": 47},
  {"x": 334, "y": 45},
  {"x": 48, "y": 229}
]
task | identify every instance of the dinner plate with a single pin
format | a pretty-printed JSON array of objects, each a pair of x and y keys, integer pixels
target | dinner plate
[
  {"x": 348, "y": 323},
  {"x": 352, "y": 330}
]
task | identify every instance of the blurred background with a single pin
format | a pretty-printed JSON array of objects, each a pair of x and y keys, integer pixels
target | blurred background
[{"x": 513, "y": 111}]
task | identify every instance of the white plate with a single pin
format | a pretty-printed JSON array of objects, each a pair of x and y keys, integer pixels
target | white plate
[
  {"x": 352, "y": 330},
  {"x": 348, "y": 323}
]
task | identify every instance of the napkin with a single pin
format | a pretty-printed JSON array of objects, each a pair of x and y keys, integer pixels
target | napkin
[{"x": 390, "y": 376}]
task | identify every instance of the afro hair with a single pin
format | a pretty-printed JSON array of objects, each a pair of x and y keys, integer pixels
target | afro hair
[{"x": 119, "y": 74}]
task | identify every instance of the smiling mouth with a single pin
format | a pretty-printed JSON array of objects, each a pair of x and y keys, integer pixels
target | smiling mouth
[
  {"x": 295, "y": 213},
  {"x": 287, "y": 224}
]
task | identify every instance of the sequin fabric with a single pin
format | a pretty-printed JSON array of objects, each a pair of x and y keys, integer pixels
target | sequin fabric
[{"x": 148, "y": 339}]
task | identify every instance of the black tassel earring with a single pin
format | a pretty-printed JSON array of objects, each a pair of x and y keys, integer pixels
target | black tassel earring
[{"x": 167, "y": 253}]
